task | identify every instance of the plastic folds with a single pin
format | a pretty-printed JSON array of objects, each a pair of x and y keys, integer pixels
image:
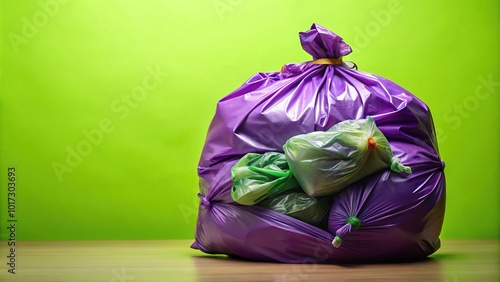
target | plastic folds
[
  {"x": 299, "y": 205},
  {"x": 326, "y": 162},
  {"x": 256, "y": 177}
]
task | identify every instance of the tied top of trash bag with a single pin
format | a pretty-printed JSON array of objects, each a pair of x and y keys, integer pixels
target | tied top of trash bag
[{"x": 321, "y": 43}]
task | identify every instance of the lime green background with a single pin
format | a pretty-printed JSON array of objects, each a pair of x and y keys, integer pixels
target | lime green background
[{"x": 70, "y": 73}]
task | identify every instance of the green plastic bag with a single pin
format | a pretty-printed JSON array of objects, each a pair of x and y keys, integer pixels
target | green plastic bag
[
  {"x": 299, "y": 205},
  {"x": 259, "y": 176},
  {"x": 326, "y": 162}
]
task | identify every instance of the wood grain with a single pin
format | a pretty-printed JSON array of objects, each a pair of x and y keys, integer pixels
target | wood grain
[{"x": 119, "y": 261}]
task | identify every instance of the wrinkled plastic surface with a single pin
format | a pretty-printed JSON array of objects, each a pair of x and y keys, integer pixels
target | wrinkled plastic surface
[
  {"x": 260, "y": 176},
  {"x": 301, "y": 206},
  {"x": 398, "y": 211},
  {"x": 267, "y": 110},
  {"x": 325, "y": 162}
]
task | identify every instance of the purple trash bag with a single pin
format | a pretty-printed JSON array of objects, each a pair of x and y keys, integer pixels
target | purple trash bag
[
  {"x": 384, "y": 216},
  {"x": 398, "y": 215}
]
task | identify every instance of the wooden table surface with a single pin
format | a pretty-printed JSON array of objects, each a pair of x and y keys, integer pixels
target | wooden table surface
[{"x": 120, "y": 261}]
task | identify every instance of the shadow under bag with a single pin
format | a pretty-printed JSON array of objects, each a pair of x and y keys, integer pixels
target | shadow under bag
[{"x": 384, "y": 214}]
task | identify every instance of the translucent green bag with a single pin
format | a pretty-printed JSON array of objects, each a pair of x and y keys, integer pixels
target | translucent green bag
[
  {"x": 259, "y": 176},
  {"x": 326, "y": 162},
  {"x": 299, "y": 205}
]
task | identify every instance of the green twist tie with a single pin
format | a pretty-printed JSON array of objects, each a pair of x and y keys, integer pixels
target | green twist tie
[
  {"x": 337, "y": 241},
  {"x": 354, "y": 222},
  {"x": 397, "y": 166}
]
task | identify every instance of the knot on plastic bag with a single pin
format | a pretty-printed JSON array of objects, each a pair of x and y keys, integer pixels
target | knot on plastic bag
[
  {"x": 443, "y": 164},
  {"x": 204, "y": 202},
  {"x": 372, "y": 144},
  {"x": 320, "y": 42},
  {"x": 331, "y": 61},
  {"x": 328, "y": 61},
  {"x": 352, "y": 223},
  {"x": 397, "y": 166}
]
